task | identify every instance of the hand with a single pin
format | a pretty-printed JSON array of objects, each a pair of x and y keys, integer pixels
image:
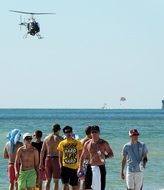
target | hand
[
  {"x": 16, "y": 176},
  {"x": 41, "y": 167},
  {"x": 78, "y": 170},
  {"x": 37, "y": 181},
  {"x": 122, "y": 176}
]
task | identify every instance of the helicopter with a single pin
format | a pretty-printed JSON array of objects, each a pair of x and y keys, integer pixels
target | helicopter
[{"x": 31, "y": 25}]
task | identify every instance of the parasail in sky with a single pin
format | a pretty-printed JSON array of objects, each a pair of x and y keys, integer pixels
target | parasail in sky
[{"x": 122, "y": 99}]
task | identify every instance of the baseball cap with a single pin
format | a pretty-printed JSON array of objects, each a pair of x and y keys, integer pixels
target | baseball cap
[
  {"x": 133, "y": 132},
  {"x": 26, "y": 135}
]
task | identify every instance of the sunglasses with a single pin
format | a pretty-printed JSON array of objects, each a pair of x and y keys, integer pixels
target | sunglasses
[
  {"x": 68, "y": 132},
  {"x": 134, "y": 135},
  {"x": 28, "y": 138},
  {"x": 94, "y": 131}
]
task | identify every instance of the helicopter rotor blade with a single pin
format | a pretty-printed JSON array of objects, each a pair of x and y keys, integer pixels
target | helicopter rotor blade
[{"x": 31, "y": 13}]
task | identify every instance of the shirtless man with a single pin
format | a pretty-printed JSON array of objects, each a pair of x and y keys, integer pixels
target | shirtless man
[
  {"x": 97, "y": 149},
  {"x": 27, "y": 164},
  {"x": 88, "y": 135},
  {"x": 10, "y": 155},
  {"x": 86, "y": 165},
  {"x": 49, "y": 147}
]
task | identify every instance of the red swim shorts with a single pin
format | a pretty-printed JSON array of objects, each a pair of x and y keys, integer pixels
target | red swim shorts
[
  {"x": 11, "y": 173},
  {"x": 52, "y": 167}
]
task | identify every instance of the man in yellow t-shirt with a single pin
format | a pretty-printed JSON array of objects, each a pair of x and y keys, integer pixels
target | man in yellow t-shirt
[{"x": 69, "y": 153}]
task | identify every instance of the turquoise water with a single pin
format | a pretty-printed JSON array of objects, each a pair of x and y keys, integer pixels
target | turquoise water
[{"x": 114, "y": 125}]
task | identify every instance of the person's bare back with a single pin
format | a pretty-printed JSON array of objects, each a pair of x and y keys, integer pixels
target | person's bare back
[
  {"x": 51, "y": 144},
  {"x": 49, "y": 157},
  {"x": 7, "y": 155}
]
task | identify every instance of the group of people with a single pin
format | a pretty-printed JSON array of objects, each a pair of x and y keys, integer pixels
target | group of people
[{"x": 76, "y": 162}]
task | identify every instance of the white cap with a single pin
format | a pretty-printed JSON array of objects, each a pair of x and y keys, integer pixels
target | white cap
[{"x": 26, "y": 135}]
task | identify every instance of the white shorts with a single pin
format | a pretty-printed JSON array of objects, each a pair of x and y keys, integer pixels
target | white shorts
[{"x": 134, "y": 180}]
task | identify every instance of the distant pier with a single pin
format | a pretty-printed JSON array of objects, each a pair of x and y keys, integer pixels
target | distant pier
[{"x": 162, "y": 104}]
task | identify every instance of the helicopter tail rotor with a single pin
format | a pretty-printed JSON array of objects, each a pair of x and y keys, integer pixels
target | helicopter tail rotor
[{"x": 20, "y": 24}]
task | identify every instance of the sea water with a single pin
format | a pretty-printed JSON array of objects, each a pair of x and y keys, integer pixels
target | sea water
[{"x": 114, "y": 125}]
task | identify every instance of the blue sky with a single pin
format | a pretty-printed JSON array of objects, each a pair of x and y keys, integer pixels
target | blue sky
[{"x": 93, "y": 52}]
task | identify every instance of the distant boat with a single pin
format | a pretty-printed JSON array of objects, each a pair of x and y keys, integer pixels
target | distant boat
[
  {"x": 162, "y": 104},
  {"x": 105, "y": 106}
]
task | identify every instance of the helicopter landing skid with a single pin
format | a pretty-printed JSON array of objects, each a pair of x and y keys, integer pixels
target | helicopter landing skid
[{"x": 38, "y": 35}]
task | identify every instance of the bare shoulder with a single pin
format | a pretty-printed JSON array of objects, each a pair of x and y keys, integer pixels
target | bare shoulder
[
  {"x": 103, "y": 142},
  {"x": 33, "y": 149},
  {"x": 18, "y": 144},
  {"x": 84, "y": 140},
  {"x": 60, "y": 138},
  {"x": 47, "y": 137},
  {"x": 20, "y": 149},
  {"x": 7, "y": 144},
  {"x": 87, "y": 143}
]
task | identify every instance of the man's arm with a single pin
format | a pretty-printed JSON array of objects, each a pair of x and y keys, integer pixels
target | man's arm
[
  {"x": 84, "y": 155},
  {"x": 18, "y": 162},
  {"x": 36, "y": 164},
  {"x": 123, "y": 163},
  {"x": 145, "y": 160},
  {"x": 5, "y": 152},
  {"x": 42, "y": 155},
  {"x": 108, "y": 151},
  {"x": 60, "y": 158}
]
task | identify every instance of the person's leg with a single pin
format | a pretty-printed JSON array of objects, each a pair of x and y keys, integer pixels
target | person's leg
[
  {"x": 48, "y": 172},
  {"x": 16, "y": 186},
  {"x": 31, "y": 179},
  {"x": 74, "y": 180},
  {"x": 56, "y": 184},
  {"x": 56, "y": 172},
  {"x": 75, "y": 187},
  {"x": 22, "y": 180},
  {"x": 138, "y": 180},
  {"x": 65, "y": 186},
  {"x": 103, "y": 176},
  {"x": 78, "y": 186},
  {"x": 88, "y": 178},
  {"x": 47, "y": 184},
  {"x": 130, "y": 180},
  {"x": 65, "y": 178},
  {"x": 11, "y": 186},
  {"x": 11, "y": 175}
]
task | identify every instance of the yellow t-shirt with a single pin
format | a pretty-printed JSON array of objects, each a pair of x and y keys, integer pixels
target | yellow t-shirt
[{"x": 70, "y": 148}]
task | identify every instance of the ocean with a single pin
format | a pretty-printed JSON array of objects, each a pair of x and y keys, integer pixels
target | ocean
[{"x": 114, "y": 125}]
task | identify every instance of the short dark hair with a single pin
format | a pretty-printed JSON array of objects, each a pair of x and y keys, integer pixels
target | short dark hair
[
  {"x": 95, "y": 128},
  {"x": 56, "y": 127},
  {"x": 67, "y": 128},
  {"x": 38, "y": 133},
  {"x": 88, "y": 130}
]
